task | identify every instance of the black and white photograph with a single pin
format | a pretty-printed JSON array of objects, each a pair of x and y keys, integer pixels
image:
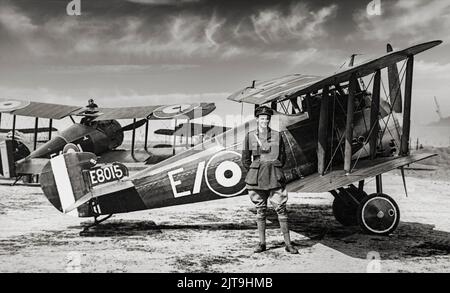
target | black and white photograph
[{"x": 224, "y": 137}]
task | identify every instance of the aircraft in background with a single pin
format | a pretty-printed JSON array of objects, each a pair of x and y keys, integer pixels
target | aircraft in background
[{"x": 98, "y": 132}]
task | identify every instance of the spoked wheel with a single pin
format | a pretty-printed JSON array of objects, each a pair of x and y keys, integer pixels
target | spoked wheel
[
  {"x": 345, "y": 209},
  {"x": 378, "y": 214}
]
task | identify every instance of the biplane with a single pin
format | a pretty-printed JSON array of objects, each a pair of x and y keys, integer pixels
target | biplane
[
  {"x": 97, "y": 132},
  {"x": 338, "y": 131},
  {"x": 193, "y": 133}
]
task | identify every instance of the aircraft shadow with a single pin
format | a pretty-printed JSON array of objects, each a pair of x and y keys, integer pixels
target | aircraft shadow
[
  {"x": 409, "y": 240},
  {"x": 137, "y": 228},
  {"x": 317, "y": 223}
]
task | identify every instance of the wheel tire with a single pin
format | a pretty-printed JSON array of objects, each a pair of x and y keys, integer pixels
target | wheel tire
[{"x": 378, "y": 214}]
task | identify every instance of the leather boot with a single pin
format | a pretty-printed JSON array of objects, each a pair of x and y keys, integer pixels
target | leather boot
[
  {"x": 287, "y": 239},
  {"x": 262, "y": 236}
]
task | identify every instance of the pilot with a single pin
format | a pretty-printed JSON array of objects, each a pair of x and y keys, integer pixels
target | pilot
[
  {"x": 91, "y": 109},
  {"x": 91, "y": 104},
  {"x": 263, "y": 156}
]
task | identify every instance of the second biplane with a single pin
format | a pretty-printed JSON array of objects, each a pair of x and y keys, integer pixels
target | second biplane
[{"x": 97, "y": 132}]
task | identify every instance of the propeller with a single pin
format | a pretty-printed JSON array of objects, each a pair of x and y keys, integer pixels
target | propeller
[
  {"x": 395, "y": 92},
  {"x": 136, "y": 125}
]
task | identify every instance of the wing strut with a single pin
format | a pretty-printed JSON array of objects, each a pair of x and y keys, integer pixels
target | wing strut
[
  {"x": 404, "y": 145},
  {"x": 14, "y": 127},
  {"x": 146, "y": 136},
  {"x": 50, "y": 127},
  {"x": 349, "y": 124},
  {"x": 174, "y": 137},
  {"x": 374, "y": 110},
  {"x": 36, "y": 123},
  {"x": 133, "y": 139},
  {"x": 323, "y": 131}
]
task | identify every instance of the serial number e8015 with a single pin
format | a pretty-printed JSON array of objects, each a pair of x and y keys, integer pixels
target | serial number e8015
[{"x": 113, "y": 172}]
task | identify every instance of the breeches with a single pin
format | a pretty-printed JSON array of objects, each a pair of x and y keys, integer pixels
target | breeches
[{"x": 277, "y": 197}]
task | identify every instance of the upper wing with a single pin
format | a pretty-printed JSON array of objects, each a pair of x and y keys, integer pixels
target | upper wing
[
  {"x": 117, "y": 113},
  {"x": 267, "y": 91},
  {"x": 295, "y": 85},
  {"x": 365, "y": 169},
  {"x": 57, "y": 111},
  {"x": 36, "y": 109},
  {"x": 188, "y": 110}
]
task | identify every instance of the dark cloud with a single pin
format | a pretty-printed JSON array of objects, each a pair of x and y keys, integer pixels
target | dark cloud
[
  {"x": 150, "y": 47},
  {"x": 124, "y": 30}
]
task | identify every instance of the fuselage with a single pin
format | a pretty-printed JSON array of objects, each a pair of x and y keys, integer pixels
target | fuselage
[{"x": 213, "y": 169}]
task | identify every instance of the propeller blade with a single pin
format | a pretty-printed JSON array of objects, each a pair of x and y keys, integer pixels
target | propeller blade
[
  {"x": 137, "y": 125},
  {"x": 395, "y": 92},
  {"x": 402, "y": 170}
]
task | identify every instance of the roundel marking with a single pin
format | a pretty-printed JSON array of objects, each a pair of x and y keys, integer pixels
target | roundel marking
[
  {"x": 11, "y": 105},
  {"x": 173, "y": 110},
  {"x": 71, "y": 148},
  {"x": 227, "y": 175}
]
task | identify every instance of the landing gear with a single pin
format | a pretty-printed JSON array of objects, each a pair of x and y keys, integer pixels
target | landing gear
[
  {"x": 345, "y": 205},
  {"x": 376, "y": 213}
]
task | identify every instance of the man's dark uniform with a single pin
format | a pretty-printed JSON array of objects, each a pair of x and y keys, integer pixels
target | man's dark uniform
[{"x": 264, "y": 156}]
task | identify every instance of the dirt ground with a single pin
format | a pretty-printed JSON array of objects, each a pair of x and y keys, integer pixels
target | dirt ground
[{"x": 219, "y": 236}]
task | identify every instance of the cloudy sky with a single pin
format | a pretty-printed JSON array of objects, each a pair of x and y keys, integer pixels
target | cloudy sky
[{"x": 136, "y": 52}]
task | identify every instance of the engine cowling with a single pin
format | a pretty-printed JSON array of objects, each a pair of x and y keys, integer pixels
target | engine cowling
[{"x": 97, "y": 137}]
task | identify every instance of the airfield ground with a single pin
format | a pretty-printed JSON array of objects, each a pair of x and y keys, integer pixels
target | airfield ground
[{"x": 219, "y": 236}]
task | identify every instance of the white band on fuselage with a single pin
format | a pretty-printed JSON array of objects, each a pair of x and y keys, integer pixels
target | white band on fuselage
[{"x": 63, "y": 184}]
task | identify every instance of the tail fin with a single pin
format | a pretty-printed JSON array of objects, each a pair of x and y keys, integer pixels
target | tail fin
[
  {"x": 71, "y": 179},
  {"x": 63, "y": 180}
]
